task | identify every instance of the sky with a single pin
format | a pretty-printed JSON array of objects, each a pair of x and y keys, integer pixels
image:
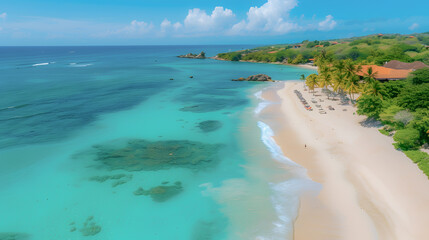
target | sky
[{"x": 178, "y": 22}]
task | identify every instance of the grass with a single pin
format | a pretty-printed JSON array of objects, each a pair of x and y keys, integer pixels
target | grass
[
  {"x": 420, "y": 158},
  {"x": 384, "y": 132}
]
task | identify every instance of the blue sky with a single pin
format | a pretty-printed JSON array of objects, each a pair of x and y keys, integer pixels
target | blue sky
[{"x": 131, "y": 22}]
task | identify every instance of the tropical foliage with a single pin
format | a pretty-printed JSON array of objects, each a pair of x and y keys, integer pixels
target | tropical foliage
[{"x": 373, "y": 49}]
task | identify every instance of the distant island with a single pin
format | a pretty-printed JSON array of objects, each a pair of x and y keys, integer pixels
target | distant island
[{"x": 202, "y": 55}]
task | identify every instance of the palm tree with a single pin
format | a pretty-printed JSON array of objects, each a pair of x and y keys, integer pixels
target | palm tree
[
  {"x": 325, "y": 76},
  {"x": 351, "y": 69},
  {"x": 339, "y": 82},
  {"x": 369, "y": 76},
  {"x": 302, "y": 77},
  {"x": 311, "y": 81},
  {"x": 352, "y": 85},
  {"x": 374, "y": 88}
]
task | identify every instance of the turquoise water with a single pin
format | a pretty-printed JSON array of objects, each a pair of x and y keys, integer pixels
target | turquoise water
[{"x": 99, "y": 143}]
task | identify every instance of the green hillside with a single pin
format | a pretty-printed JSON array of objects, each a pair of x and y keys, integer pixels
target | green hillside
[{"x": 372, "y": 49}]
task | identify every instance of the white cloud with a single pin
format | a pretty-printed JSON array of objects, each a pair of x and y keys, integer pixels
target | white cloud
[
  {"x": 166, "y": 25},
  {"x": 328, "y": 24},
  {"x": 413, "y": 26},
  {"x": 272, "y": 17},
  {"x": 137, "y": 27},
  {"x": 198, "y": 20},
  {"x": 3, "y": 15}
]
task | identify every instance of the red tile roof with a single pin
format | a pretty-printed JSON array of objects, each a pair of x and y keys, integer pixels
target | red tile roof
[{"x": 385, "y": 73}]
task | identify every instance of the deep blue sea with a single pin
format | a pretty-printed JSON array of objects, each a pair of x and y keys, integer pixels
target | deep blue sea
[{"x": 121, "y": 143}]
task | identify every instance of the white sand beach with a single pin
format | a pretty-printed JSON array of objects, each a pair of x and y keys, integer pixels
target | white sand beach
[{"x": 370, "y": 190}]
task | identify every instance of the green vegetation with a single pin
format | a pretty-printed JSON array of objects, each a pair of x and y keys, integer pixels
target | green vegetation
[
  {"x": 370, "y": 106},
  {"x": 407, "y": 139},
  {"x": 420, "y": 158},
  {"x": 420, "y": 76},
  {"x": 384, "y": 132},
  {"x": 373, "y": 49}
]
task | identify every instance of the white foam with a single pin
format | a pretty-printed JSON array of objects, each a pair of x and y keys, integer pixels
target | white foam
[
  {"x": 267, "y": 135},
  {"x": 80, "y": 65},
  {"x": 285, "y": 195},
  {"x": 263, "y": 104},
  {"x": 40, "y": 64}
]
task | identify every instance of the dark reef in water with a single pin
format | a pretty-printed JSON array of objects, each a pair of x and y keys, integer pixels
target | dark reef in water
[
  {"x": 90, "y": 228},
  {"x": 210, "y": 125},
  {"x": 161, "y": 193},
  {"x": 142, "y": 155},
  {"x": 119, "y": 179},
  {"x": 14, "y": 236}
]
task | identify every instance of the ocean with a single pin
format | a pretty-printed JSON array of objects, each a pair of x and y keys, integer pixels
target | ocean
[{"x": 135, "y": 143}]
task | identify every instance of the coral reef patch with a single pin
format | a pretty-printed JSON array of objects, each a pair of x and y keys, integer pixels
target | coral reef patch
[
  {"x": 119, "y": 179},
  {"x": 90, "y": 228},
  {"x": 161, "y": 193},
  {"x": 142, "y": 155},
  {"x": 209, "y": 126},
  {"x": 14, "y": 236}
]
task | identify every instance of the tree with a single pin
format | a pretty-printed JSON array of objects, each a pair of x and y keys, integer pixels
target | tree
[
  {"x": 403, "y": 117},
  {"x": 299, "y": 59},
  {"x": 369, "y": 76},
  {"x": 325, "y": 76},
  {"x": 374, "y": 88},
  {"x": 414, "y": 97},
  {"x": 352, "y": 85},
  {"x": 302, "y": 77},
  {"x": 388, "y": 114},
  {"x": 370, "y": 106},
  {"x": 421, "y": 123},
  {"x": 392, "y": 89},
  {"x": 407, "y": 139},
  {"x": 311, "y": 82},
  {"x": 420, "y": 76},
  {"x": 351, "y": 69}
]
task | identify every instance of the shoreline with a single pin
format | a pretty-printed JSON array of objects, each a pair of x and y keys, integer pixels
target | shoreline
[
  {"x": 306, "y": 66},
  {"x": 366, "y": 182}
]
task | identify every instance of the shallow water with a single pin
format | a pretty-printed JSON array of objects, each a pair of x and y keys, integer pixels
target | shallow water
[{"x": 82, "y": 129}]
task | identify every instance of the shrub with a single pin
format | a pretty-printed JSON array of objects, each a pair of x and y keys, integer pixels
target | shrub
[
  {"x": 403, "y": 117},
  {"x": 421, "y": 158},
  {"x": 388, "y": 114},
  {"x": 421, "y": 123},
  {"x": 407, "y": 139},
  {"x": 370, "y": 106},
  {"x": 414, "y": 97},
  {"x": 420, "y": 76},
  {"x": 384, "y": 132}
]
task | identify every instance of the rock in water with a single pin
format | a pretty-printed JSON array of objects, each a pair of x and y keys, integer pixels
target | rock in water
[
  {"x": 210, "y": 125},
  {"x": 202, "y": 55},
  {"x": 256, "y": 78}
]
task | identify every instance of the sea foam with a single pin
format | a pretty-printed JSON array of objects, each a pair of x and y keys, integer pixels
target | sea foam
[
  {"x": 261, "y": 105},
  {"x": 40, "y": 64},
  {"x": 285, "y": 195}
]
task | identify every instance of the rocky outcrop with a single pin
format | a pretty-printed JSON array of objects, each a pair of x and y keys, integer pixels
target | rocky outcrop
[
  {"x": 256, "y": 78},
  {"x": 202, "y": 55}
]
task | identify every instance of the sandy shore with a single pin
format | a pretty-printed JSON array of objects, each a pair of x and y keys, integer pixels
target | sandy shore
[{"x": 370, "y": 190}]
